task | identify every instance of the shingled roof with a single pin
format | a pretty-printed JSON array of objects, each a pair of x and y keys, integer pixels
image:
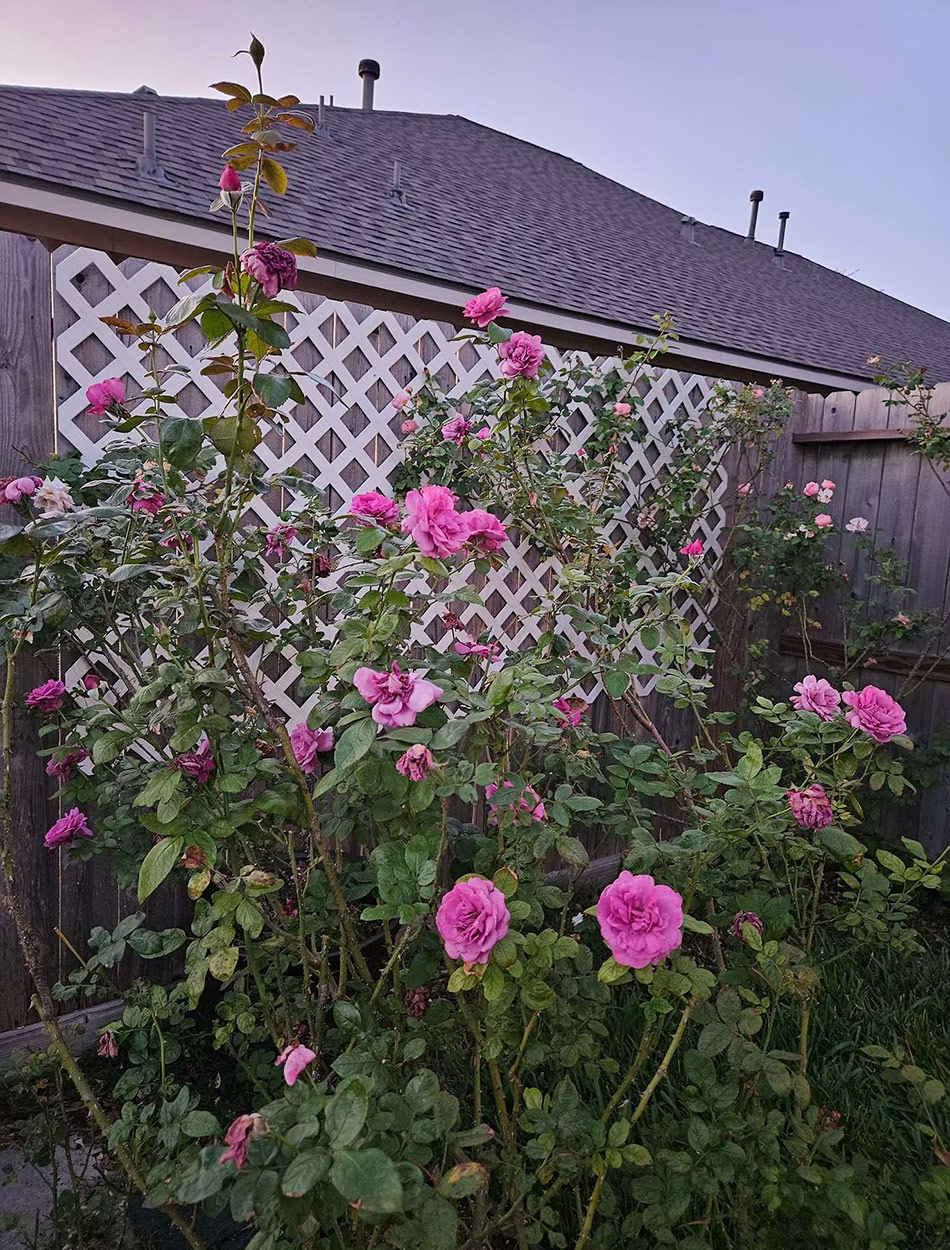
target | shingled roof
[{"x": 480, "y": 207}]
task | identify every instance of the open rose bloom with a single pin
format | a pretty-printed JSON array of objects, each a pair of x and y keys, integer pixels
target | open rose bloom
[
  {"x": 641, "y": 922},
  {"x": 873, "y": 711},
  {"x": 396, "y": 697},
  {"x": 814, "y": 694},
  {"x": 472, "y": 919}
]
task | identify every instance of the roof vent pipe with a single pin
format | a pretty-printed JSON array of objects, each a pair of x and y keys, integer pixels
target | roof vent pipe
[
  {"x": 148, "y": 163},
  {"x": 782, "y": 223},
  {"x": 369, "y": 72},
  {"x": 756, "y": 198}
]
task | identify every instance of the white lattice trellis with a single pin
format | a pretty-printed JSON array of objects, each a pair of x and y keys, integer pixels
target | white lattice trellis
[{"x": 345, "y": 436}]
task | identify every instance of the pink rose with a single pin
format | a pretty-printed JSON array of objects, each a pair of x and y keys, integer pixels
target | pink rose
[
  {"x": 902, "y": 619},
  {"x": 828, "y": 484},
  {"x": 107, "y": 1048},
  {"x": 570, "y": 711},
  {"x": 742, "y": 918},
  {"x": 436, "y": 528},
  {"x": 67, "y": 829},
  {"x": 279, "y": 538},
  {"x": 529, "y": 802},
  {"x": 47, "y": 698},
  {"x": 810, "y": 489},
  {"x": 640, "y": 921},
  {"x": 483, "y": 433},
  {"x": 744, "y": 489},
  {"x": 61, "y": 766},
  {"x": 622, "y": 409},
  {"x": 244, "y": 1130},
  {"x": 823, "y": 520},
  {"x": 295, "y": 1058},
  {"x": 811, "y": 807},
  {"x": 102, "y": 395},
  {"x": 468, "y": 646},
  {"x": 486, "y": 534},
  {"x": 230, "y": 179},
  {"x": 376, "y": 507},
  {"x": 400, "y": 401},
  {"x": 408, "y": 427},
  {"x": 875, "y": 713},
  {"x": 20, "y": 486},
  {"x": 816, "y": 695},
  {"x": 91, "y": 680},
  {"x": 484, "y": 308},
  {"x": 456, "y": 430},
  {"x": 307, "y": 743},
  {"x": 581, "y": 453},
  {"x": 145, "y": 496},
  {"x": 472, "y": 919},
  {"x": 758, "y": 393},
  {"x": 273, "y": 267},
  {"x": 695, "y": 548},
  {"x": 396, "y": 697},
  {"x": 199, "y": 765},
  {"x": 521, "y": 355},
  {"x": 416, "y": 762}
]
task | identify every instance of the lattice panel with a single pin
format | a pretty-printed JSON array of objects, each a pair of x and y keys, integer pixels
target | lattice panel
[{"x": 345, "y": 437}]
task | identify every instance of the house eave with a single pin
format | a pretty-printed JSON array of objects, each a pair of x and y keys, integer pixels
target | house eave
[{"x": 85, "y": 219}]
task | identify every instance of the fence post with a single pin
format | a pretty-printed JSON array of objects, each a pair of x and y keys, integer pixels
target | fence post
[{"x": 27, "y": 434}]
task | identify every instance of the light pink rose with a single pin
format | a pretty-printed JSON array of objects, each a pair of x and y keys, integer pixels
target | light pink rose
[
  {"x": 529, "y": 802},
  {"x": 486, "y": 534},
  {"x": 472, "y": 919},
  {"x": 744, "y": 489},
  {"x": 468, "y": 646},
  {"x": 47, "y": 698},
  {"x": 400, "y": 401},
  {"x": 230, "y": 179},
  {"x": 279, "y": 538},
  {"x": 102, "y": 395},
  {"x": 622, "y": 409},
  {"x": 811, "y": 807},
  {"x": 816, "y": 695},
  {"x": 408, "y": 427},
  {"x": 273, "y": 267},
  {"x": 857, "y": 525},
  {"x": 758, "y": 392},
  {"x": 20, "y": 487},
  {"x": 415, "y": 762},
  {"x": 695, "y": 548},
  {"x": 902, "y": 619},
  {"x": 436, "y": 528},
  {"x": 307, "y": 743},
  {"x": 640, "y": 921},
  {"x": 828, "y": 484},
  {"x": 199, "y": 765},
  {"x": 522, "y": 355},
  {"x": 823, "y": 520},
  {"x": 811, "y": 489},
  {"x": 396, "y": 697},
  {"x": 376, "y": 507},
  {"x": 456, "y": 431},
  {"x": 484, "y": 308},
  {"x": 294, "y": 1058},
  {"x": 875, "y": 713},
  {"x": 243, "y": 1130},
  {"x": 67, "y": 829}
]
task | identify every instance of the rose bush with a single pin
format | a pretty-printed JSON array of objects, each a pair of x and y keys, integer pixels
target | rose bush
[{"x": 425, "y": 1027}]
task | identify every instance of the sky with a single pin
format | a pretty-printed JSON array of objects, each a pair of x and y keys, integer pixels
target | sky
[{"x": 836, "y": 109}]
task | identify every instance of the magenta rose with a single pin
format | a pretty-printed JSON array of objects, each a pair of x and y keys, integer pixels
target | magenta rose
[
  {"x": 569, "y": 711},
  {"x": 641, "y": 922},
  {"x": 61, "y": 766},
  {"x": 199, "y": 765},
  {"x": 102, "y": 395},
  {"x": 307, "y": 743},
  {"x": 483, "y": 650},
  {"x": 436, "y": 528},
  {"x": 243, "y": 1130},
  {"x": 745, "y": 917},
  {"x": 486, "y": 534},
  {"x": 145, "y": 496},
  {"x": 811, "y": 807},
  {"x": 484, "y": 308},
  {"x": 529, "y": 802},
  {"x": 521, "y": 355},
  {"x": 396, "y": 697},
  {"x": 472, "y": 919},
  {"x": 273, "y": 267},
  {"x": 67, "y": 829},
  {"x": 456, "y": 430},
  {"x": 47, "y": 698},
  {"x": 294, "y": 1059},
  {"x": 695, "y": 548},
  {"x": 873, "y": 711},
  {"x": 279, "y": 538},
  {"x": 816, "y": 695},
  {"x": 416, "y": 762},
  {"x": 376, "y": 507},
  {"x": 230, "y": 179}
]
